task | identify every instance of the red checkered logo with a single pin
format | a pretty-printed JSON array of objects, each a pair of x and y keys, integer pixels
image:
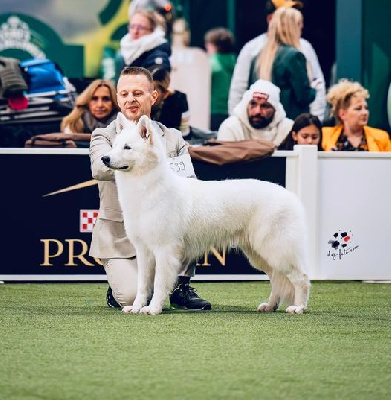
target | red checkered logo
[{"x": 87, "y": 220}]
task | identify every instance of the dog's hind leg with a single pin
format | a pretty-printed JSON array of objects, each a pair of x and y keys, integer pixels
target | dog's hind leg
[
  {"x": 274, "y": 298},
  {"x": 167, "y": 267},
  {"x": 301, "y": 286},
  {"x": 289, "y": 284},
  {"x": 284, "y": 251},
  {"x": 291, "y": 266},
  {"x": 259, "y": 263}
]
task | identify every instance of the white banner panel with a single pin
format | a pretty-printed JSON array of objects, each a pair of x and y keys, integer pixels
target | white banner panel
[{"x": 354, "y": 216}]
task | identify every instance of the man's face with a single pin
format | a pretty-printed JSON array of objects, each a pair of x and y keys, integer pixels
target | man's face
[
  {"x": 139, "y": 26},
  {"x": 260, "y": 113},
  {"x": 135, "y": 96}
]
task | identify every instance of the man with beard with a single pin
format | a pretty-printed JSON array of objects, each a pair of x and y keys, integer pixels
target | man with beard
[{"x": 259, "y": 115}]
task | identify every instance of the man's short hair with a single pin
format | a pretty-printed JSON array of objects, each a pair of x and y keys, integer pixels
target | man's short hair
[
  {"x": 137, "y": 71},
  {"x": 222, "y": 38}
]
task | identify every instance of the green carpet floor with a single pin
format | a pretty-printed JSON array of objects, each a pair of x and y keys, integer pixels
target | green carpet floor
[{"x": 60, "y": 341}]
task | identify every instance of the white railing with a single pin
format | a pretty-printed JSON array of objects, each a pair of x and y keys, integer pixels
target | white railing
[{"x": 346, "y": 193}]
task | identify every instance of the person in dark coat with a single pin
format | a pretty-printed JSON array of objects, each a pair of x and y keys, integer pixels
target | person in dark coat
[
  {"x": 171, "y": 107},
  {"x": 145, "y": 44}
]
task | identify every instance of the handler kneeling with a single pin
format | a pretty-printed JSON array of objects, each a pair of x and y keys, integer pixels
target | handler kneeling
[{"x": 135, "y": 96}]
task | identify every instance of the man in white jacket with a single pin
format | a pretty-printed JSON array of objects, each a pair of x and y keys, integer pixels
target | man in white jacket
[
  {"x": 240, "y": 78},
  {"x": 259, "y": 115}
]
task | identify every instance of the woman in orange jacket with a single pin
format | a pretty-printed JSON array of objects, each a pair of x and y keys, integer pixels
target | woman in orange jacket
[{"x": 349, "y": 106}]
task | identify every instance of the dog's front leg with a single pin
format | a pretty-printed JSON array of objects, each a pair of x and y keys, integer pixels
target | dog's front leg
[
  {"x": 145, "y": 272},
  {"x": 167, "y": 268}
]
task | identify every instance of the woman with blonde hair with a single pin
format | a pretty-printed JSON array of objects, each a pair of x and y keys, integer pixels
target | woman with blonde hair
[
  {"x": 348, "y": 100},
  {"x": 95, "y": 107},
  {"x": 282, "y": 62}
]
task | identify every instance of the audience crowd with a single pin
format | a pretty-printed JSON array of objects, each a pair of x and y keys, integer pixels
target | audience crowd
[{"x": 273, "y": 90}]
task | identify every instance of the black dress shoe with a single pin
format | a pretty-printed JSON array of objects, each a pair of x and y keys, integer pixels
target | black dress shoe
[{"x": 110, "y": 300}]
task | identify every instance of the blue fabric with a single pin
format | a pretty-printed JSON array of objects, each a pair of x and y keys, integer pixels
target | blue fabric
[{"x": 43, "y": 76}]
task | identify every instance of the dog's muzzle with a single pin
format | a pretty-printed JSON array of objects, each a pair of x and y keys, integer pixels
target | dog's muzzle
[{"x": 106, "y": 160}]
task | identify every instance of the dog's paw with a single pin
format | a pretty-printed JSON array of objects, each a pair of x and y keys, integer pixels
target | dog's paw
[
  {"x": 130, "y": 310},
  {"x": 150, "y": 310},
  {"x": 295, "y": 309},
  {"x": 137, "y": 306},
  {"x": 266, "y": 307}
]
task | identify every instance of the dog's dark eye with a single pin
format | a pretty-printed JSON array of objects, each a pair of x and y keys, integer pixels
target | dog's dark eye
[{"x": 127, "y": 147}]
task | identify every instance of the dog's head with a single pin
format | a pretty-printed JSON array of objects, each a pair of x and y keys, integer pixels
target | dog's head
[{"x": 137, "y": 147}]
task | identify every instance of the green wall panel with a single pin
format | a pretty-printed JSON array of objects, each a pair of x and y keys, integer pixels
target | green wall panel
[{"x": 377, "y": 58}]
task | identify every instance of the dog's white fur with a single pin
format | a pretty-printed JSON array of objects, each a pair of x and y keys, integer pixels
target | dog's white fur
[{"x": 171, "y": 220}]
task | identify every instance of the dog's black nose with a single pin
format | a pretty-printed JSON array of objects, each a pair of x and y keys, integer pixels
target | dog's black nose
[{"x": 106, "y": 160}]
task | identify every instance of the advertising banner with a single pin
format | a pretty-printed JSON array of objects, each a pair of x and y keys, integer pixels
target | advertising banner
[
  {"x": 71, "y": 33},
  {"x": 355, "y": 217},
  {"x": 50, "y": 204},
  {"x": 24, "y": 37}
]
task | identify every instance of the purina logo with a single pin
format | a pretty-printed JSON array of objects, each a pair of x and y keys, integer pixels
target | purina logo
[
  {"x": 87, "y": 220},
  {"x": 16, "y": 34},
  {"x": 342, "y": 244}
]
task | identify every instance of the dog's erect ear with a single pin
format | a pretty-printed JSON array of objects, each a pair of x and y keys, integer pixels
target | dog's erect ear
[
  {"x": 121, "y": 122},
  {"x": 144, "y": 128}
]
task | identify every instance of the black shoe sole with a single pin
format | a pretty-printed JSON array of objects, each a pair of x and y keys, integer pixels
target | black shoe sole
[
  {"x": 113, "y": 306},
  {"x": 206, "y": 307}
]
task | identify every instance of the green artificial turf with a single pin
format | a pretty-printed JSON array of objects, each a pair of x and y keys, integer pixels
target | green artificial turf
[{"x": 60, "y": 341}]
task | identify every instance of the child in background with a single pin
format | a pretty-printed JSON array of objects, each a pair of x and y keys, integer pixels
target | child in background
[
  {"x": 306, "y": 129},
  {"x": 171, "y": 107},
  {"x": 219, "y": 44}
]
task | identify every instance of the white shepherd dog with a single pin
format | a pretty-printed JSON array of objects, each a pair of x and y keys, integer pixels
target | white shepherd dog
[{"x": 172, "y": 220}]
